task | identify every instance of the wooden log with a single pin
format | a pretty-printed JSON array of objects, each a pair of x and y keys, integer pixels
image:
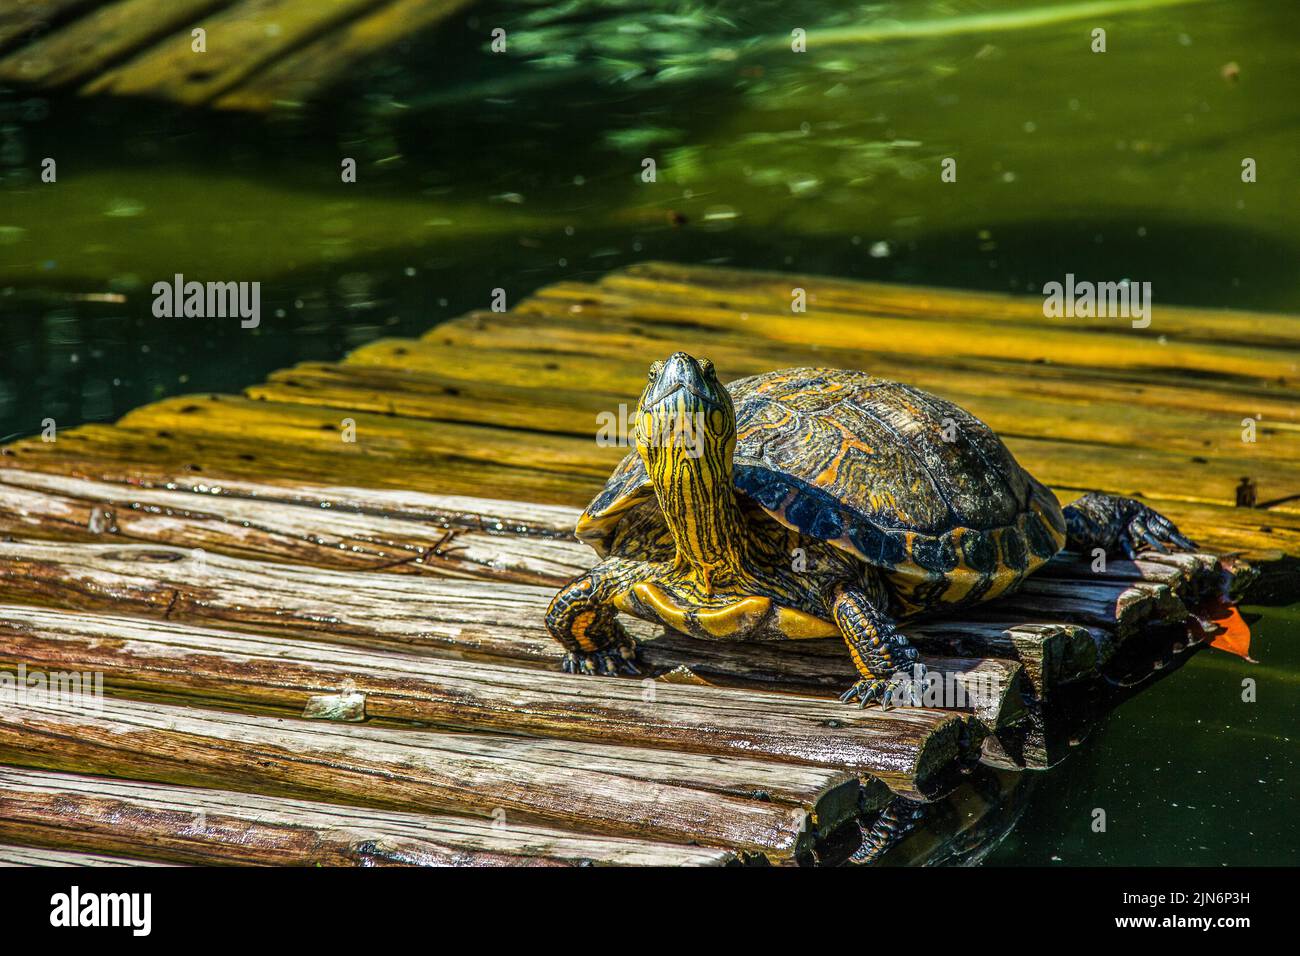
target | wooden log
[
  {"x": 240, "y": 40},
  {"x": 439, "y": 396},
  {"x": 114, "y": 31},
  {"x": 472, "y": 513},
  {"x": 968, "y": 824},
  {"x": 1016, "y": 324},
  {"x": 377, "y": 437},
  {"x": 1123, "y": 607},
  {"x": 131, "y": 457},
  {"x": 21, "y": 20},
  {"x": 1091, "y": 459},
  {"x": 392, "y": 769},
  {"x": 205, "y": 826},
  {"x": 487, "y": 620},
  {"x": 243, "y": 671},
  {"x": 1192, "y": 578},
  {"x": 295, "y": 77},
  {"x": 1168, "y": 413},
  {"x": 904, "y": 747},
  {"x": 921, "y": 302},
  {"x": 336, "y": 528},
  {"x": 44, "y": 856},
  {"x": 115, "y": 454}
]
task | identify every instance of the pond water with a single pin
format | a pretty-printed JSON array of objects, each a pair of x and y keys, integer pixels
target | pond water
[{"x": 479, "y": 170}]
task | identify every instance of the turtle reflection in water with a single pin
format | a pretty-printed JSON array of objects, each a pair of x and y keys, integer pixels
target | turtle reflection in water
[{"x": 807, "y": 503}]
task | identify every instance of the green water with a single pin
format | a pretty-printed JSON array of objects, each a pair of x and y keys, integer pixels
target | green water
[
  {"x": 1188, "y": 772},
  {"x": 481, "y": 170}
]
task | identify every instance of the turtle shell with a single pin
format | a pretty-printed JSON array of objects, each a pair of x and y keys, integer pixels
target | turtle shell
[{"x": 904, "y": 480}]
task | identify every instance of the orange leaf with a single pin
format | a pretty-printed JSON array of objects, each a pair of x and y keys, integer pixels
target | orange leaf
[{"x": 1234, "y": 634}]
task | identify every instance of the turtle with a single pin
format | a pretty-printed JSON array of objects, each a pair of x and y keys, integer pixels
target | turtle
[{"x": 811, "y": 503}]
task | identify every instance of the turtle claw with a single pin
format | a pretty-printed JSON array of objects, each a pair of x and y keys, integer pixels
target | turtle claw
[
  {"x": 1150, "y": 530},
  {"x": 903, "y": 689},
  {"x": 611, "y": 662},
  {"x": 865, "y": 691}
]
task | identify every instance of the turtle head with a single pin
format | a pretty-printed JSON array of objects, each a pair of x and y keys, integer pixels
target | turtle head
[
  {"x": 686, "y": 423},
  {"x": 686, "y": 435}
]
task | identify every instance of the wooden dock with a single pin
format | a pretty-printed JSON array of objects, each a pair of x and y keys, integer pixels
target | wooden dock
[
  {"x": 316, "y": 607},
  {"x": 258, "y": 54}
]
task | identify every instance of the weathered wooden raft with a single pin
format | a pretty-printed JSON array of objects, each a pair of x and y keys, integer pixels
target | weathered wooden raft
[
  {"x": 258, "y": 53},
  {"x": 251, "y": 586}
]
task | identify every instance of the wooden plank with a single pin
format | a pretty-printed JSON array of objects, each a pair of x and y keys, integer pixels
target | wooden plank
[
  {"x": 615, "y": 364},
  {"x": 376, "y": 437},
  {"x": 83, "y": 48},
  {"x": 569, "y": 470},
  {"x": 491, "y": 515},
  {"x": 445, "y": 539},
  {"x": 904, "y": 747},
  {"x": 259, "y": 672},
  {"x": 43, "y": 856},
  {"x": 1079, "y": 407},
  {"x": 393, "y": 769},
  {"x": 489, "y": 620},
  {"x": 187, "y": 825},
  {"x": 294, "y": 78},
  {"x": 331, "y": 538},
  {"x": 542, "y": 327},
  {"x": 21, "y": 20},
  {"x": 116, "y": 454},
  {"x": 675, "y": 280},
  {"x": 240, "y": 40}
]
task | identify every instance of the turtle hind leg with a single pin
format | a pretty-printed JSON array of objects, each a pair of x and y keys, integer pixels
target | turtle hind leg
[
  {"x": 585, "y": 623},
  {"x": 885, "y": 658},
  {"x": 1116, "y": 524},
  {"x": 899, "y": 818}
]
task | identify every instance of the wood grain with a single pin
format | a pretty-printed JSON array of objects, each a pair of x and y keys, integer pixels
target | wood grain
[{"x": 205, "y": 826}]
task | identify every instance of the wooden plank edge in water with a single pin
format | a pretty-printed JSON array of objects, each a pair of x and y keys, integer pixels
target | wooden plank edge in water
[
  {"x": 22, "y": 20},
  {"x": 300, "y": 74},
  {"x": 903, "y": 747},
  {"x": 175, "y": 824},
  {"x": 80, "y": 49},
  {"x": 238, "y": 46}
]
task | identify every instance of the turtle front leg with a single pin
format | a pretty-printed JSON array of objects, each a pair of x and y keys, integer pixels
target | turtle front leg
[
  {"x": 1115, "y": 524},
  {"x": 885, "y": 658},
  {"x": 585, "y": 623}
]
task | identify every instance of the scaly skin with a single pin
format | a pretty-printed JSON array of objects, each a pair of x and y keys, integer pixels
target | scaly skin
[
  {"x": 1117, "y": 524},
  {"x": 896, "y": 821}
]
